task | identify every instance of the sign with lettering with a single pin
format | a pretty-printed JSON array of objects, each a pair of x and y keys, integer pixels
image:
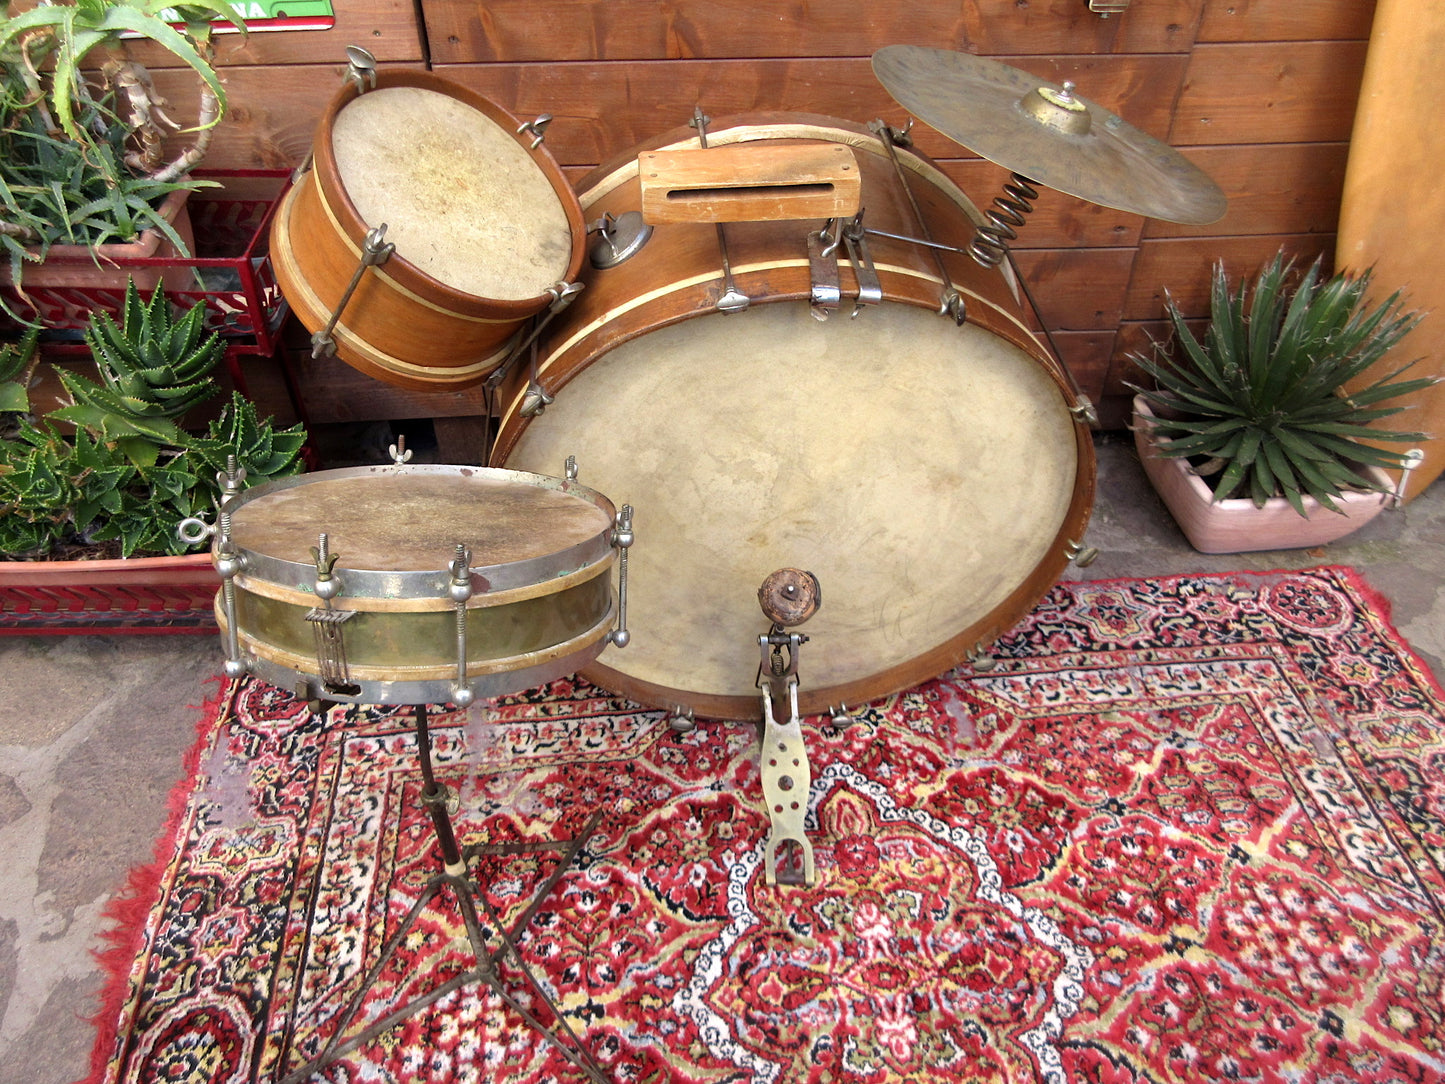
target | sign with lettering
[{"x": 274, "y": 15}]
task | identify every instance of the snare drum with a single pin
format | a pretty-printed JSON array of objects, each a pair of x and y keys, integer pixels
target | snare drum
[
  {"x": 484, "y": 224},
  {"x": 934, "y": 477},
  {"x": 381, "y": 624}
]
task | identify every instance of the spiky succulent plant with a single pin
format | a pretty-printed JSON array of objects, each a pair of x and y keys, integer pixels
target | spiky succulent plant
[
  {"x": 1262, "y": 398},
  {"x": 15, "y": 363},
  {"x": 153, "y": 368},
  {"x": 261, "y": 449},
  {"x": 129, "y": 473}
]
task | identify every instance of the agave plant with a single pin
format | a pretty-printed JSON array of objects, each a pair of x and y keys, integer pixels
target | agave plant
[{"x": 1262, "y": 401}]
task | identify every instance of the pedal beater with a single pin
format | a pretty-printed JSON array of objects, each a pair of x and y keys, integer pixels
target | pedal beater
[{"x": 788, "y": 597}]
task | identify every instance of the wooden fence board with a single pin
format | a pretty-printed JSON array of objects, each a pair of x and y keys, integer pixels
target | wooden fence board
[
  {"x": 1260, "y": 92},
  {"x": 1078, "y": 289},
  {"x": 388, "y": 29},
  {"x": 1272, "y": 188},
  {"x": 530, "y": 30},
  {"x": 1183, "y": 266},
  {"x": 273, "y": 116},
  {"x": 1286, "y": 20},
  {"x": 602, "y": 109}
]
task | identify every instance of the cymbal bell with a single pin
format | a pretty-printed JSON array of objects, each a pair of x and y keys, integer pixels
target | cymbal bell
[{"x": 1047, "y": 133}]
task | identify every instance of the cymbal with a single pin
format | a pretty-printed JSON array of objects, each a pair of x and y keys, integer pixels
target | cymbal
[{"x": 1047, "y": 133}]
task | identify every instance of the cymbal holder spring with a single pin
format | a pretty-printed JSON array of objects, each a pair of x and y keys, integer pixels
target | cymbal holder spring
[
  {"x": 990, "y": 248},
  {"x": 1006, "y": 216}
]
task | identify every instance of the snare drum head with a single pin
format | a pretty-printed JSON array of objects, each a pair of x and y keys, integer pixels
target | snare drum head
[
  {"x": 386, "y": 520},
  {"x": 460, "y": 197},
  {"x": 922, "y": 471}
]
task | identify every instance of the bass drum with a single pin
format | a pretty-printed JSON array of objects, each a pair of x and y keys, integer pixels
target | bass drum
[{"x": 932, "y": 476}]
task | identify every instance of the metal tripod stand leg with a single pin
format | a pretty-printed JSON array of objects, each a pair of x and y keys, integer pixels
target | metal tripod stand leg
[{"x": 485, "y": 960}]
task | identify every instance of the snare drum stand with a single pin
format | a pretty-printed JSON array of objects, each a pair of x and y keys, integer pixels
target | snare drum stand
[{"x": 438, "y": 801}]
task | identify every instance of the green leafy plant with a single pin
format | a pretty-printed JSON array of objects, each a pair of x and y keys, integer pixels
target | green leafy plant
[
  {"x": 153, "y": 369},
  {"x": 130, "y": 473},
  {"x": 260, "y": 449},
  {"x": 59, "y": 192},
  {"x": 65, "y": 34},
  {"x": 16, "y": 363},
  {"x": 1261, "y": 400}
]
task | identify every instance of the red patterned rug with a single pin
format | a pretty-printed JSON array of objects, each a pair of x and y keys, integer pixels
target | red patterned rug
[{"x": 1187, "y": 829}]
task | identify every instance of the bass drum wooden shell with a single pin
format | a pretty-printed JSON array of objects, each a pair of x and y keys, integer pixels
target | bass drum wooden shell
[
  {"x": 932, "y": 476},
  {"x": 484, "y": 224}
]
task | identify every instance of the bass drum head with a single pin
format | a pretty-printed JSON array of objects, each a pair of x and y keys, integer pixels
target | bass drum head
[{"x": 924, "y": 472}]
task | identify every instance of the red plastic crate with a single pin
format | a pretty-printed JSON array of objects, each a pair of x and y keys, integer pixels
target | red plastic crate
[{"x": 232, "y": 258}]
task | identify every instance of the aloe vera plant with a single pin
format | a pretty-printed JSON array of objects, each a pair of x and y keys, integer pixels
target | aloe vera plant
[
  {"x": 84, "y": 156},
  {"x": 61, "y": 36},
  {"x": 16, "y": 360},
  {"x": 153, "y": 369},
  {"x": 1261, "y": 399}
]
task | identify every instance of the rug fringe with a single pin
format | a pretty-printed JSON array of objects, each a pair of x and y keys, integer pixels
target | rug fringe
[
  {"x": 1380, "y": 606},
  {"x": 125, "y": 915}
]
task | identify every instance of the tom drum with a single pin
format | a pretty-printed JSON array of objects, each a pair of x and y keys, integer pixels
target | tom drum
[{"x": 483, "y": 222}]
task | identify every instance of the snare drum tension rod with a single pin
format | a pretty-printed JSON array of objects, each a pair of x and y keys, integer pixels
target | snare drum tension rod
[
  {"x": 622, "y": 537},
  {"x": 228, "y": 561}
]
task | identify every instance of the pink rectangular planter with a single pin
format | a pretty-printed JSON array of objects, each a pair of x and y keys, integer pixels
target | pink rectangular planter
[{"x": 1237, "y": 525}]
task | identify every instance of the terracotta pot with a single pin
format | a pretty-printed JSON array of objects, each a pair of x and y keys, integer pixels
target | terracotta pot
[
  {"x": 1238, "y": 525},
  {"x": 162, "y": 594},
  {"x": 101, "y": 267}
]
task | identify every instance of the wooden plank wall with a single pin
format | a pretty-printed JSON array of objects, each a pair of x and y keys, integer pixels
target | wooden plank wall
[{"x": 1259, "y": 93}]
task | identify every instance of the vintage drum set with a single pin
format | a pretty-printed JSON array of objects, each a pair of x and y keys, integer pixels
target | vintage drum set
[{"x": 790, "y": 341}]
